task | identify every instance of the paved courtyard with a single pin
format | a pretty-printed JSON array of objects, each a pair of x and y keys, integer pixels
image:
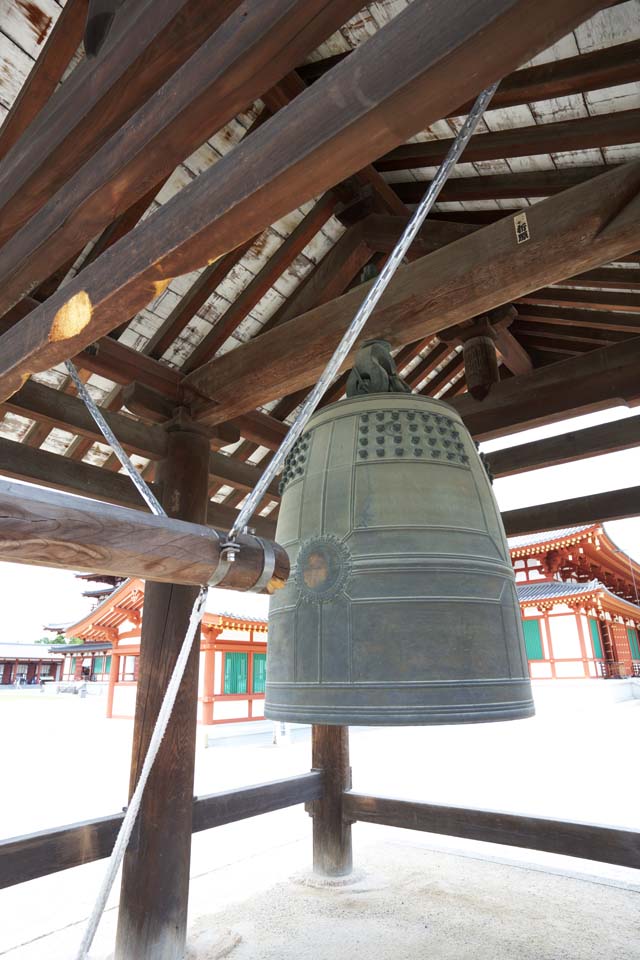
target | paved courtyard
[{"x": 63, "y": 762}]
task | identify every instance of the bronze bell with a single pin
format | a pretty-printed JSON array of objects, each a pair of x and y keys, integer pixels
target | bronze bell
[{"x": 401, "y": 607}]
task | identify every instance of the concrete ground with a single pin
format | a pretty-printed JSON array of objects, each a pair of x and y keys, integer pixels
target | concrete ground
[{"x": 418, "y": 893}]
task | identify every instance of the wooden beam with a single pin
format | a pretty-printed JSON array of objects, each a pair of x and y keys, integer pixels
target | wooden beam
[
  {"x": 258, "y": 43},
  {"x": 566, "y": 837},
  {"x": 597, "y": 70},
  {"x": 357, "y": 110},
  {"x": 59, "y": 410},
  {"x": 512, "y": 353},
  {"x": 49, "y": 529},
  {"x": 194, "y": 299},
  {"x": 500, "y": 186},
  {"x": 551, "y": 331},
  {"x": 567, "y": 233},
  {"x": 596, "y": 299},
  {"x": 263, "y": 281},
  {"x": 618, "y": 277},
  {"x": 566, "y": 448},
  {"x": 575, "y": 317},
  {"x": 146, "y": 45},
  {"x": 21, "y": 462},
  {"x": 50, "y": 851},
  {"x": 584, "y": 133},
  {"x": 600, "y": 379},
  {"x": 46, "y": 73},
  {"x": 595, "y": 508}
]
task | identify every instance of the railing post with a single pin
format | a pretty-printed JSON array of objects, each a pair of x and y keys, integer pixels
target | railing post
[
  {"x": 155, "y": 877},
  {"x": 332, "y": 855}
]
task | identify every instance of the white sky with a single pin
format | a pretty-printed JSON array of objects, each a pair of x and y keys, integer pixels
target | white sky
[{"x": 33, "y": 596}]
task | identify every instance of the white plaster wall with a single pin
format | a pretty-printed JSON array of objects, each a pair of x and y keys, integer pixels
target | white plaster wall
[
  {"x": 565, "y": 639},
  {"x": 539, "y": 670},
  {"x": 570, "y": 670},
  {"x": 219, "y": 673},
  {"x": 230, "y": 709},
  {"x": 124, "y": 700}
]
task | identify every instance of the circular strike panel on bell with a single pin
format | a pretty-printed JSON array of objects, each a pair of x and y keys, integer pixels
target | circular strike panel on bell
[{"x": 402, "y": 608}]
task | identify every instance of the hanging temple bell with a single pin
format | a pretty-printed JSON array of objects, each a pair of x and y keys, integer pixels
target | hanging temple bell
[{"x": 401, "y": 607}]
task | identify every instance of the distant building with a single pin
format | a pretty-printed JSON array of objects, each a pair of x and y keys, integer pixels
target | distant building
[
  {"x": 233, "y": 653},
  {"x": 578, "y": 596},
  {"x": 28, "y": 663}
]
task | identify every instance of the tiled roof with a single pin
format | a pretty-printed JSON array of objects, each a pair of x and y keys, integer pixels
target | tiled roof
[
  {"x": 26, "y": 651},
  {"x": 545, "y": 536},
  {"x": 555, "y": 589},
  {"x": 550, "y": 590}
]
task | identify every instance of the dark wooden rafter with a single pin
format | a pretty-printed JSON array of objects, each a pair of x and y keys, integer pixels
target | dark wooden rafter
[
  {"x": 46, "y": 73},
  {"x": 566, "y": 448},
  {"x": 596, "y": 299},
  {"x": 597, "y": 70},
  {"x": 251, "y": 50},
  {"x": 501, "y": 186},
  {"x": 583, "y": 227},
  {"x": 215, "y": 212},
  {"x": 584, "y": 133},
  {"x": 576, "y": 317},
  {"x": 146, "y": 45}
]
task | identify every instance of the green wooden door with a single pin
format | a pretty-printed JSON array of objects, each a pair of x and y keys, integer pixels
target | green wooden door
[
  {"x": 259, "y": 672},
  {"x": 594, "y": 630},
  {"x": 632, "y": 634},
  {"x": 532, "y": 639},
  {"x": 235, "y": 673}
]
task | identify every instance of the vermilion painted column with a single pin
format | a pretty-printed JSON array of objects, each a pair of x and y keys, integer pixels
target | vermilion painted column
[{"x": 113, "y": 676}]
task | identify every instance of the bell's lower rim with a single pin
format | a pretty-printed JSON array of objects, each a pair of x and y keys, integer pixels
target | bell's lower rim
[{"x": 415, "y": 717}]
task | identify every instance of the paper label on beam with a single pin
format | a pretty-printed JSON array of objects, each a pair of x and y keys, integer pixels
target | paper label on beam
[{"x": 521, "y": 226}]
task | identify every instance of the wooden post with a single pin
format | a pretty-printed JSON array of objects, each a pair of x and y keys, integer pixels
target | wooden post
[
  {"x": 331, "y": 832},
  {"x": 114, "y": 672},
  {"x": 155, "y": 878}
]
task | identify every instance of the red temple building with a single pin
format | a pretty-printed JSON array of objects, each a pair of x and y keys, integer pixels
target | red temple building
[
  {"x": 233, "y": 653},
  {"x": 579, "y": 602},
  {"x": 28, "y": 663}
]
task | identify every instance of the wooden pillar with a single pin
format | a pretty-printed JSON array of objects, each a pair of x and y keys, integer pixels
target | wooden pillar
[
  {"x": 331, "y": 832},
  {"x": 207, "y": 685},
  {"x": 155, "y": 878},
  {"x": 113, "y": 676}
]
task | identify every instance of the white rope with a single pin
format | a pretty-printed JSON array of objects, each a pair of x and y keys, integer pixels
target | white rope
[{"x": 159, "y": 731}]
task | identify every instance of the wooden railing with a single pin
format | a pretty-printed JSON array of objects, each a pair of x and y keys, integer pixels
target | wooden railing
[{"x": 39, "y": 854}]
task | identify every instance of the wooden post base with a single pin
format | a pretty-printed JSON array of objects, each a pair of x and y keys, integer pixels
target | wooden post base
[{"x": 332, "y": 856}]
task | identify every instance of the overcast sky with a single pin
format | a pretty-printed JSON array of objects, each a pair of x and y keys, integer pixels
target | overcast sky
[{"x": 33, "y": 596}]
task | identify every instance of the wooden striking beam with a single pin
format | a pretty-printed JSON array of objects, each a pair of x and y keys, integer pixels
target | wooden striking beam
[
  {"x": 357, "y": 112},
  {"x": 581, "y": 228},
  {"x": 566, "y": 837},
  {"x": 259, "y": 42},
  {"x": 49, "y": 851},
  {"x": 50, "y": 529},
  {"x": 46, "y": 73},
  {"x": 146, "y": 45},
  {"x": 556, "y": 78},
  {"x": 600, "y": 379},
  {"x": 600, "y": 130},
  {"x": 501, "y": 186},
  {"x": 595, "y": 508},
  {"x": 566, "y": 448}
]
